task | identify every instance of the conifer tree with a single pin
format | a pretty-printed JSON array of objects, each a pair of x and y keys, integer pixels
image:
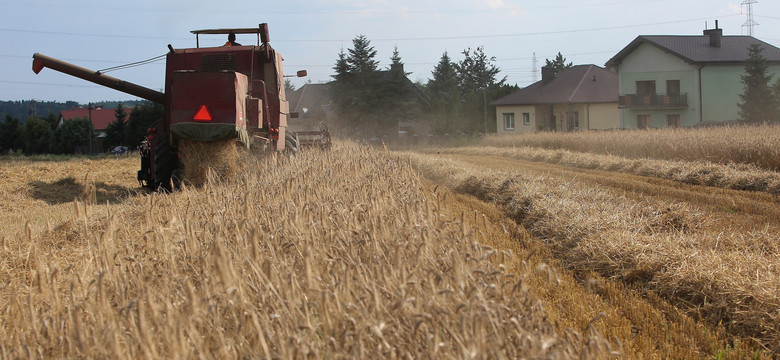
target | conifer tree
[
  {"x": 758, "y": 103},
  {"x": 355, "y": 91},
  {"x": 443, "y": 89},
  {"x": 559, "y": 64},
  {"x": 445, "y": 78},
  {"x": 116, "y": 130}
]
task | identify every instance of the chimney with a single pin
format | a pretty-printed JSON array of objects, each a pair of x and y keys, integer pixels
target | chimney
[
  {"x": 715, "y": 35},
  {"x": 548, "y": 74},
  {"x": 397, "y": 67}
]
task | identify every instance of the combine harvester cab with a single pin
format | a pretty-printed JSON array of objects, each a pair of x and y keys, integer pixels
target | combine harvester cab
[{"x": 211, "y": 94}]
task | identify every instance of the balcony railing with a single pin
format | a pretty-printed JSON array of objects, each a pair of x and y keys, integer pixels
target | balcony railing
[{"x": 653, "y": 101}]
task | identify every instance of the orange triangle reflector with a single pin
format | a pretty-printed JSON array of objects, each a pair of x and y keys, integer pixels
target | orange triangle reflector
[{"x": 203, "y": 114}]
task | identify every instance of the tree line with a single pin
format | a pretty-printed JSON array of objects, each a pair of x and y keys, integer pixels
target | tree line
[
  {"x": 42, "y": 135},
  {"x": 372, "y": 102},
  {"x": 22, "y": 109}
]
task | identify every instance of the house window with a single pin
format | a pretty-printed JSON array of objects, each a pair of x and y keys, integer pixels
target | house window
[
  {"x": 642, "y": 121},
  {"x": 526, "y": 119},
  {"x": 509, "y": 121},
  {"x": 673, "y": 120},
  {"x": 644, "y": 88},
  {"x": 673, "y": 87}
]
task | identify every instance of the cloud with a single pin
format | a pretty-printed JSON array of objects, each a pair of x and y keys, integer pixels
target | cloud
[
  {"x": 514, "y": 9},
  {"x": 494, "y": 4}
]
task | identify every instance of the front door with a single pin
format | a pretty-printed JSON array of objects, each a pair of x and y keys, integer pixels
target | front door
[{"x": 642, "y": 121}]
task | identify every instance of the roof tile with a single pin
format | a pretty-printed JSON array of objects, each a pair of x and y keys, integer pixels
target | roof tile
[
  {"x": 578, "y": 84},
  {"x": 100, "y": 117},
  {"x": 697, "y": 49}
]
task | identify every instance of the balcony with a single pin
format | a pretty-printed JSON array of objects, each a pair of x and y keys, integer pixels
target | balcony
[{"x": 653, "y": 101}]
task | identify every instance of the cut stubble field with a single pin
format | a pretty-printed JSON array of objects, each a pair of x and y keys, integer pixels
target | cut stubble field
[
  {"x": 683, "y": 229},
  {"x": 352, "y": 254}
]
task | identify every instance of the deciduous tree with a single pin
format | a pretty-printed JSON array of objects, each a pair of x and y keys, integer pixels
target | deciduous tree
[
  {"x": 142, "y": 117},
  {"x": 72, "y": 134},
  {"x": 37, "y": 136},
  {"x": 11, "y": 134},
  {"x": 477, "y": 76},
  {"x": 477, "y": 71}
]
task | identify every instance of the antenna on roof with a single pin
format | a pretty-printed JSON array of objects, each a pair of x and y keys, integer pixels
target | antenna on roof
[{"x": 749, "y": 24}]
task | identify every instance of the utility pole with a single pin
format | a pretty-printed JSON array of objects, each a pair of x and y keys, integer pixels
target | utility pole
[
  {"x": 484, "y": 102},
  {"x": 535, "y": 69},
  {"x": 89, "y": 110},
  {"x": 750, "y": 23}
]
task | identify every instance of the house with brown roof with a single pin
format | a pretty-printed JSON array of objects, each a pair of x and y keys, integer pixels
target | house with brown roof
[
  {"x": 312, "y": 103},
  {"x": 672, "y": 80},
  {"x": 583, "y": 97},
  {"x": 100, "y": 117}
]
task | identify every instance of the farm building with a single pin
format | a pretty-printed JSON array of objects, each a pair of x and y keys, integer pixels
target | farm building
[
  {"x": 670, "y": 80},
  {"x": 583, "y": 97},
  {"x": 100, "y": 117}
]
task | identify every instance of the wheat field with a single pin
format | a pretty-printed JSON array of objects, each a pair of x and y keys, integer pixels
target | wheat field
[
  {"x": 288, "y": 260},
  {"x": 668, "y": 246},
  {"x": 708, "y": 249},
  {"x": 349, "y": 253},
  {"x": 729, "y": 175},
  {"x": 758, "y": 146}
]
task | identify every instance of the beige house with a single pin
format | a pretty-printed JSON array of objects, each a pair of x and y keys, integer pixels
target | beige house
[{"x": 583, "y": 97}]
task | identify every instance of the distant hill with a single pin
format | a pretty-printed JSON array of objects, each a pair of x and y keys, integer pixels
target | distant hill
[{"x": 22, "y": 109}]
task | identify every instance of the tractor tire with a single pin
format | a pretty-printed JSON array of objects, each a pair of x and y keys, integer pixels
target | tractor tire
[
  {"x": 291, "y": 143},
  {"x": 163, "y": 165}
]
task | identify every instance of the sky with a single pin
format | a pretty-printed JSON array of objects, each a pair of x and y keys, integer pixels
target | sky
[{"x": 99, "y": 34}]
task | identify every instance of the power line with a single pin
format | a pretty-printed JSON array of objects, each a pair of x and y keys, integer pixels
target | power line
[
  {"x": 359, "y": 11},
  {"x": 498, "y": 59},
  {"x": 552, "y": 32},
  {"x": 457, "y": 37},
  {"x": 86, "y": 34}
]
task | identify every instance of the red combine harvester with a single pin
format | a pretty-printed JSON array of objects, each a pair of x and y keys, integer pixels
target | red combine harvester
[{"x": 211, "y": 94}]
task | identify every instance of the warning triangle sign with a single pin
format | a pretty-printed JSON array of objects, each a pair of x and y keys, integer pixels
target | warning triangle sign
[{"x": 203, "y": 114}]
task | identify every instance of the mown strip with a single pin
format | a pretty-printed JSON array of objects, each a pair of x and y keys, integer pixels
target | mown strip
[
  {"x": 665, "y": 246},
  {"x": 728, "y": 176}
]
